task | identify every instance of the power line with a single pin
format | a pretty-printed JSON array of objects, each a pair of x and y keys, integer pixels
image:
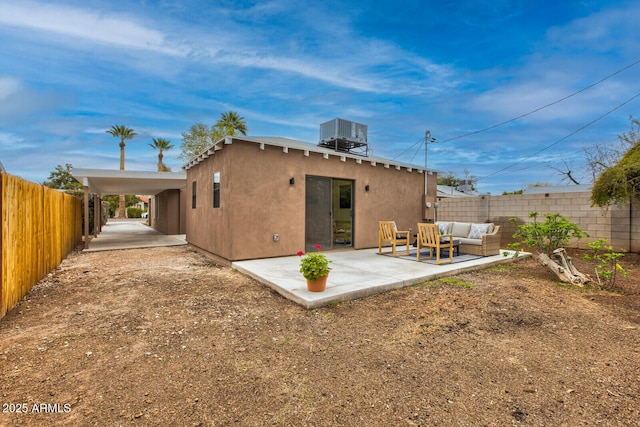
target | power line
[
  {"x": 565, "y": 137},
  {"x": 414, "y": 144},
  {"x": 423, "y": 140},
  {"x": 545, "y": 106}
]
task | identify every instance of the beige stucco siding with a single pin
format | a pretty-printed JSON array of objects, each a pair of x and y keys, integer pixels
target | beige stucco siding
[
  {"x": 257, "y": 200},
  {"x": 170, "y": 212}
]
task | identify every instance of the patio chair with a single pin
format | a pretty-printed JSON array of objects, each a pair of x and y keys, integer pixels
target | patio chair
[
  {"x": 341, "y": 234},
  {"x": 430, "y": 237},
  {"x": 388, "y": 233}
]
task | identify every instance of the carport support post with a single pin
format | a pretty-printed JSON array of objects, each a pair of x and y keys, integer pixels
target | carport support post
[
  {"x": 96, "y": 214},
  {"x": 86, "y": 212},
  {"x": 100, "y": 213}
]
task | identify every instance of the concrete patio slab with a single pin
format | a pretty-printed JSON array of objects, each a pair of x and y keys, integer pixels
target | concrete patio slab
[
  {"x": 131, "y": 234},
  {"x": 355, "y": 274}
]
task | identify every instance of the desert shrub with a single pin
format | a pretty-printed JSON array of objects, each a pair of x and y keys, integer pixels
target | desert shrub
[
  {"x": 606, "y": 259},
  {"x": 134, "y": 212},
  {"x": 545, "y": 237}
]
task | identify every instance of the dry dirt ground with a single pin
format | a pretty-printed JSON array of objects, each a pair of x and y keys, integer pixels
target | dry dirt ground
[{"x": 164, "y": 337}]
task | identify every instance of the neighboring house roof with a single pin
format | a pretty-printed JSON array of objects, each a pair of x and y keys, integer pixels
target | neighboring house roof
[
  {"x": 558, "y": 189},
  {"x": 287, "y": 143},
  {"x": 449, "y": 191}
]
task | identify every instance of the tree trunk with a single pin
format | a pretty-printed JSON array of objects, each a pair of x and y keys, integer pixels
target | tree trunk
[
  {"x": 121, "y": 203},
  {"x": 122, "y": 213},
  {"x": 122, "y": 145},
  {"x": 563, "y": 268}
]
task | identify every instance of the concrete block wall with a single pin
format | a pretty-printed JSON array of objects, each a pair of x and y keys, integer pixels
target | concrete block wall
[
  {"x": 619, "y": 226},
  {"x": 634, "y": 227}
]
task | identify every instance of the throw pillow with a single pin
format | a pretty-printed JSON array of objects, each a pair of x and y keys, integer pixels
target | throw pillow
[
  {"x": 460, "y": 229},
  {"x": 477, "y": 230}
]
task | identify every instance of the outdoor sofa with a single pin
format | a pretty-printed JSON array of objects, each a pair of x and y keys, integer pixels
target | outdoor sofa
[{"x": 475, "y": 238}]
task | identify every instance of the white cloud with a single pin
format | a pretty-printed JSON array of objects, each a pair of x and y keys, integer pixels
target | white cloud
[
  {"x": 87, "y": 25},
  {"x": 20, "y": 102},
  {"x": 11, "y": 142},
  {"x": 9, "y": 86},
  {"x": 569, "y": 60},
  {"x": 602, "y": 31},
  {"x": 338, "y": 57}
]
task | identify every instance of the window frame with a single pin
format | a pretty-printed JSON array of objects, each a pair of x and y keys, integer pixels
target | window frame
[
  {"x": 216, "y": 189},
  {"x": 194, "y": 194}
]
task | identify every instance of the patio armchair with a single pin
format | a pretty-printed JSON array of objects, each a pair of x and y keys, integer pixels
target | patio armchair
[
  {"x": 388, "y": 233},
  {"x": 341, "y": 233},
  {"x": 430, "y": 237}
]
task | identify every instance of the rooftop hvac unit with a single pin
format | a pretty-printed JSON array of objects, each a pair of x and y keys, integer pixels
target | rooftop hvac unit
[{"x": 344, "y": 135}]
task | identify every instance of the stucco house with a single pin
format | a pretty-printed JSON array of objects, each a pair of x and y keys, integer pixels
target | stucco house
[{"x": 261, "y": 197}]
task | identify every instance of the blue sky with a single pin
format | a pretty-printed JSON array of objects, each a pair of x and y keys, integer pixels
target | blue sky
[{"x": 70, "y": 69}]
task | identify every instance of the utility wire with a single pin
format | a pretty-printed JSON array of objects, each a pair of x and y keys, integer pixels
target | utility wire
[
  {"x": 420, "y": 141},
  {"x": 545, "y": 106},
  {"x": 565, "y": 137},
  {"x": 419, "y": 149}
]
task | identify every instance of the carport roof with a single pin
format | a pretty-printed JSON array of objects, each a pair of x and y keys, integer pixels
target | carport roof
[{"x": 109, "y": 181}]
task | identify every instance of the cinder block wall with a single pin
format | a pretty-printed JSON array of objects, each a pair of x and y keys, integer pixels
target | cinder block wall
[
  {"x": 635, "y": 228},
  {"x": 619, "y": 226}
]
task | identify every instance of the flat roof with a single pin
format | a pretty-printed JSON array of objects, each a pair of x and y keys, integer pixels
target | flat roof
[
  {"x": 109, "y": 181},
  {"x": 288, "y": 143}
]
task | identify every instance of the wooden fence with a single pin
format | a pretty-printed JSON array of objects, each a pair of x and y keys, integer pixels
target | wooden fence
[{"x": 40, "y": 226}]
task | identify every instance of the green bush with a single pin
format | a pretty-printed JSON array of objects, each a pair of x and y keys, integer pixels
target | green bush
[
  {"x": 547, "y": 236},
  {"x": 133, "y": 212},
  {"x": 606, "y": 260}
]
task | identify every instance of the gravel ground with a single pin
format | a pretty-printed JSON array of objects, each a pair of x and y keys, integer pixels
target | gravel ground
[{"x": 164, "y": 337}]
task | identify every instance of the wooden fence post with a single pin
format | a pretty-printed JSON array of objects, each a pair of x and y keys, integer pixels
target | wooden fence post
[{"x": 86, "y": 216}]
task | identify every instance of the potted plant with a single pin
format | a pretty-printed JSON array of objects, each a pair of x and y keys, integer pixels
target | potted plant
[{"x": 315, "y": 268}]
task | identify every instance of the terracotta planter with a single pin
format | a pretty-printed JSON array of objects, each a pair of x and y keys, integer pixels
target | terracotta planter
[{"x": 318, "y": 285}]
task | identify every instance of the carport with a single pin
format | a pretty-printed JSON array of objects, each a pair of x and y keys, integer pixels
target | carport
[{"x": 103, "y": 182}]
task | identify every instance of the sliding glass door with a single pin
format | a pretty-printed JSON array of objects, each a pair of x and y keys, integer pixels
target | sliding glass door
[{"x": 329, "y": 213}]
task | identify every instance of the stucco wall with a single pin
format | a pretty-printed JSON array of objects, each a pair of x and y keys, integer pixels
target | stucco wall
[
  {"x": 257, "y": 200},
  {"x": 618, "y": 225},
  {"x": 170, "y": 212}
]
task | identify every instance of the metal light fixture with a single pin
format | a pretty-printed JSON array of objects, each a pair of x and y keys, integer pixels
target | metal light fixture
[
  {"x": 292, "y": 181},
  {"x": 366, "y": 188}
]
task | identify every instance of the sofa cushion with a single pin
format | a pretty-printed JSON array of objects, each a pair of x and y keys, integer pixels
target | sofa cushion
[
  {"x": 460, "y": 229},
  {"x": 467, "y": 241},
  {"x": 477, "y": 230},
  {"x": 443, "y": 227}
]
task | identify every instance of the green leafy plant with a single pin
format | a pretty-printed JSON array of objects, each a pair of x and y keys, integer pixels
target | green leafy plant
[
  {"x": 548, "y": 236},
  {"x": 314, "y": 265},
  {"x": 607, "y": 265},
  {"x": 133, "y": 212}
]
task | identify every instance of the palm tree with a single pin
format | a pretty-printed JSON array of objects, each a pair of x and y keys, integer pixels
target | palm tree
[
  {"x": 230, "y": 123},
  {"x": 122, "y": 132},
  {"x": 162, "y": 145}
]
